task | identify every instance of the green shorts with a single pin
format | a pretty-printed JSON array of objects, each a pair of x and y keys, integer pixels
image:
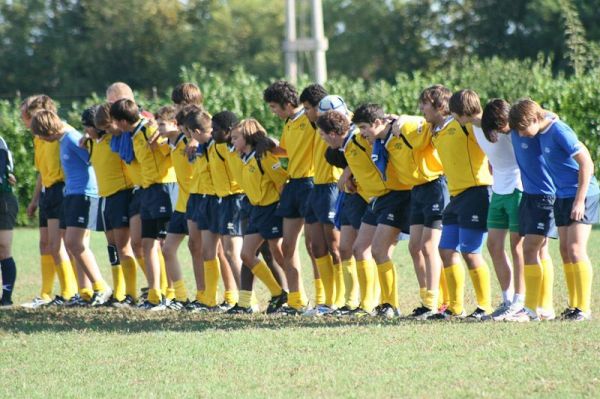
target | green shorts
[{"x": 504, "y": 211}]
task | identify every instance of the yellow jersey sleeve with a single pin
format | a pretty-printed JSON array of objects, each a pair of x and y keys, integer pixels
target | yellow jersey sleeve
[
  {"x": 325, "y": 173},
  {"x": 134, "y": 172},
  {"x": 357, "y": 151},
  {"x": 465, "y": 164},
  {"x": 184, "y": 171},
  {"x": 37, "y": 152},
  {"x": 261, "y": 179},
  {"x": 108, "y": 167},
  {"x": 223, "y": 179},
  {"x": 273, "y": 169},
  {"x": 234, "y": 164},
  {"x": 156, "y": 167},
  {"x": 51, "y": 170},
  {"x": 298, "y": 140},
  {"x": 201, "y": 179}
]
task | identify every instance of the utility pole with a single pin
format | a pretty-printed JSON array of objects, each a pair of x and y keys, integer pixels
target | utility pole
[{"x": 317, "y": 44}]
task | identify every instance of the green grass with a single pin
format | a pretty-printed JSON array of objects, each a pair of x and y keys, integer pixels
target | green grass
[{"x": 117, "y": 353}]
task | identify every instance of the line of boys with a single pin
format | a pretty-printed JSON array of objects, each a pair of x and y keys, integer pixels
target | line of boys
[{"x": 394, "y": 182}]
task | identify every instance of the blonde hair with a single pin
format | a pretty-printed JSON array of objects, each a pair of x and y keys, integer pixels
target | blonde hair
[
  {"x": 465, "y": 103},
  {"x": 524, "y": 113},
  {"x": 37, "y": 102},
  {"x": 166, "y": 113},
  {"x": 46, "y": 123},
  {"x": 186, "y": 94},
  {"x": 255, "y": 135},
  {"x": 118, "y": 91}
]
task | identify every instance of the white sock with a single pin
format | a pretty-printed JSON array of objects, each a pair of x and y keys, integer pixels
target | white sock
[
  {"x": 507, "y": 296},
  {"x": 518, "y": 299}
]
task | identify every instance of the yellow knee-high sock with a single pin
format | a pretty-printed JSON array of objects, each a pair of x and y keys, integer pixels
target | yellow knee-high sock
[
  {"x": 377, "y": 299},
  {"x": 422, "y": 294},
  {"x": 264, "y": 274},
  {"x": 319, "y": 291},
  {"x": 387, "y": 280},
  {"x": 212, "y": 273},
  {"x": 48, "y": 272},
  {"x": 142, "y": 263},
  {"x": 99, "y": 286},
  {"x": 339, "y": 299},
  {"x": 546, "y": 293},
  {"x": 154, "y": 296},
  {"x": 170, "y": 293},
  {"x": 181, "y": 294},
  {"x": 297, "y": 300},
  {"x": 351, "y": 286},
  {"x": 245, "y": 300},
  {"x": 74, "y": 270},
  {"x": 455, "y": 281},
  {"x": 118, "y": 282},
  {"x": 570, "y": 280},
  {"x": 444, "y": 296},
  {"x": 480, "y": 277},
  {"x": 366, "y": 281},
  {"x": 164, "y": 282},
  {"x": 129, "y": 267},
  {"x": 200, "y": 296},
  {"x": 533, "y": 285},
  {"x": 583, "y": 274},
  {"x": 430, "y": 299},
  {"x": 86, "y": 293},
  {"x": 231, "y": 297},
  {"x": 68, "y": 282},
  {"x": 325, "y": 267}
]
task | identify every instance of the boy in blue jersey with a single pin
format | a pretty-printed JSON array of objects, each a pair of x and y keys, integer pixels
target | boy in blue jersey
[
  {"x": 81, "y": 199},
  {"x": 577, "y": 196}
]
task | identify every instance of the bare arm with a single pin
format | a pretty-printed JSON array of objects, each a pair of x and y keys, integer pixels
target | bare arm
[
  {"x": 586, "y": 171},
  {"x": 33, "y": 204}
]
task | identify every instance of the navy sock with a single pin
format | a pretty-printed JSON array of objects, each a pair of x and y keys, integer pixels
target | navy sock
[{"x": 9, "y": 274}]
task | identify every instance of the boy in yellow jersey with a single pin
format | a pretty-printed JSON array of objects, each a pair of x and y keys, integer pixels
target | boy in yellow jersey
[
  {"x": 114, "y": 188},
  {"x": 48, "y": 195},
  {"x": 262, "y": 180},
  {"x": 177, "y": 229},
  {"x": 297, "y": 142},
  {"x": 465, "y": 218},
  {"x": 159, "y": 187},
  {"x": 325, "y": 239},
  {"x": 406, "y": 159},
  {"x": 362, "y": 178}
]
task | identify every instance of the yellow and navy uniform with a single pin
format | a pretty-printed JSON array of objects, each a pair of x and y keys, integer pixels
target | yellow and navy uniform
[
  {"x": 325, "y": 173},
  {"x": 465, "y": 164},
  {"x": 201, "y": 179},
  {"x": 263, "y": 178},
  {"x": 47, "y": 160},
  {"x": 110, "y": 170},
  {"x": 298, "y": 140},
  {"x": 184, "y": 171},
  {"x": 224, "y": 179},
  {"x": 155, "y": 163}
]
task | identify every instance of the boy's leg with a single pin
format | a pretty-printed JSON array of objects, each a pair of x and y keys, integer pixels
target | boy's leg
[
  {"x": 577, "y": 238},
  {"x": 212, "y": 271},
  {"x": 471, "y": 244},
  {"x": 351, "y": 286},
  {"x": 516, "y": 248},
  {"x": 365, "y": 267},
  {"x": 128, "y": 260},
  {"x": 232, "y": 247},
  {"x": 169, "y": 250},
  {"x": 77, "y": 241},
  {"x": 47, "y": 264},
  {"x": 292, "y": 265},
  {"x": 7, "y": 267},
  {"x": 258, "y": 267},
  {"x": 62, "y": 262},
  {"x": 383, "y": 244},
  {"x": 502, "y": 266},
  {"x": 195, "y": 247},
  {"x": 324, "y": 273},
  {"x": 332, "y": 239},
  {"x": 414, "y": 248}
]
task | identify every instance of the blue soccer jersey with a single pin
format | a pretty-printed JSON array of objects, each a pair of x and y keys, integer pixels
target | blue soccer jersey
[
  {"x": 535, "y": 175},
  {"x": 559, "y": 145},
  {"x": 79, "y": 175}
]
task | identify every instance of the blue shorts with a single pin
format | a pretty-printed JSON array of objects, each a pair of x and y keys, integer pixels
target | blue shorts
[
  {"x": 177, "y": 224},
  {"x": 154, "y": 228},
  {"x": 192, "y": 205},
  {"x": 157, "y": 201},
  {"x": 369, "y": 217},
  {"x": 536, "y": 215},
  {"x": 353, "y": 210},
  {"x": 469, "y": 209},
  {"x": 427, "y": 203},
  {"x": 229, "y": 215},
  {"x": 205, "y": 214},
  {"x": 294, "y": 198},
  {"x": 393, "y": 209},
  {"x": 80, "y": 211},
  {"x": 563, "y": 207},
  {"x": 135, "y": 203},
  {"x": 116, "y": 209},
  {"x": 321, "y": 204},
  {"x": 100, "y": 222},
  {"x": 265, "y": 221},
  {"x": 51, "y": 204},
  {"x": 462, "y": 239}
]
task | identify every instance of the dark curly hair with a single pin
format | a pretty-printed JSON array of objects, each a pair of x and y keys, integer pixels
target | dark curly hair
[{"x": 281, "y": 92}]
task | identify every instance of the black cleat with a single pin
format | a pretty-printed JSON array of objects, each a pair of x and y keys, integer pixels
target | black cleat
[
  {"x": 237, "y": 309},
  {"x": 277, "y": 303},
  {"x": 420, "y": 312},
  {"x": 174, "y": 304},
  {"x": 57, "y": 301},
  {"x": 343, "y": 311},
  {"x": 387, "y": 311},
  {"x": 479, "y": 315}
]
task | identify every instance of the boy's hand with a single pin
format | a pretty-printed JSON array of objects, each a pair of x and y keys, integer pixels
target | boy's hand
[
  {"x": 578, "y": 210},
  {"x": 154, "y": 138},
  {"x": 397, "y": 125},
  {"x": 192, "y": 147},
  {"x": 83, "y": 141},
  {"x": 12, "y": 180},
  {"x": 31, "y": 208}
]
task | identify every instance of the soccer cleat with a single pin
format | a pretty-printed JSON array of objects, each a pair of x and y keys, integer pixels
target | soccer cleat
[
  {"x": 360, "y": 313},
  {"x": 35, "y": 303},
  {"x": 447, "y": 314},
  {"x": 501, "y": 311},
  {"x": 578, "y": 315},
  {"x": 77, "y": 301},
  {"x": 5, "y": 303},
  {"x": 199, "y": 307},
  {"x": 387, "y": 311},
  {"x": 224, "y": 306},
  {"x": 418, "y": 313},
  {"x": 343, "y": 311},
  {"x": 277, "y": 302},
  {"x": 523, "y": 316},
  {"x": 237, "y": 309},
  {"x": 127, "y": 302},
  {"x": 143, "y": 294},
  {"x": 153, "y": 307},
  {"x": 290, "y": 311},
  {"x": 319, "y": 310},
  {"x": 546, "y": 315},
  {"x": 479, "y": 315},
  {"x": 565, "y": 313},
  {"x": 57, "y": 301},
  {"x": 174, "y": 304},
  {"x": 101, "y": 297}
]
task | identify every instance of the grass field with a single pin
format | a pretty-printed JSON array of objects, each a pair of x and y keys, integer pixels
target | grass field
[{"x": 70, "y": 353}]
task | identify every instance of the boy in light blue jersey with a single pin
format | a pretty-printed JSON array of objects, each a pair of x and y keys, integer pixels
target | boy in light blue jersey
[
  {"x": 578, "y": 196},
  {"x": 81, "y": 199}
]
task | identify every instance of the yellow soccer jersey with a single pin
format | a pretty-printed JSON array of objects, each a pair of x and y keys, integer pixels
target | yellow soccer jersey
[
  {"x": 155, "y": 163},
  {"x": 108, "y": 167},
  {"x": 134, "y": 172},
  {"x": 234, "y": 164},
  {"x": 201, "y": 179},
  {"x": 262, "y": 179},
  {"x": 413, "y": 157},
  {"x": 357, "y": 151},
  {"x": 325, "y": 173},
  {"x": 183, "y": 170},
  {"x": 465, "y": 164},
  {"x": 37, "y": 152},
  {"x": 49, "y": 166},
  {"x": 223, "y": 178},
  {"x": 298, "y": 140}
]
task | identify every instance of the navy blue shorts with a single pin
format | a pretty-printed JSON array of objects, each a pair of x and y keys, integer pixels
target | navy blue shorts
[
  {"x": 321, "y": 204},
  {"x": 155, "y": 228},
  {"x": 51, "y": 203},
  {"x": 135, "y": 203},
  {"x": 229, "y": 215},
  {"x": 369, "y": 217},
  {"x": 157, "y": 201},
  {"x": 43, "y": 220},
  {"x": 80, "y": 211},
  {"x": 265, "y": 221},
  {"x": 536, "y": 215},
  {"x": 393, "y": 209},
  {"x": 177, "y": 224},
  {"x": 100, "y": 222},
  {"x": 294, "y": 198},
  {"x": 353, "y": 210},
  {"x": 469, "y": 209},
  {"x": 427, "y": 203},
  {"x": 116, "y": 209},
  {"x": 563, "y": 207},
  {"x": 192, "y": 205},
  {"x": 205, "y": 215}
]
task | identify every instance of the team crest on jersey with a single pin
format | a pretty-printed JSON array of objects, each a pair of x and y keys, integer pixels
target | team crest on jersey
[
  {"x": 524, "y": 146},
  {"x": 451, "y": 131},
  {"x": 251, "y": 169},
  {"x": 398, "y": 146}
]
